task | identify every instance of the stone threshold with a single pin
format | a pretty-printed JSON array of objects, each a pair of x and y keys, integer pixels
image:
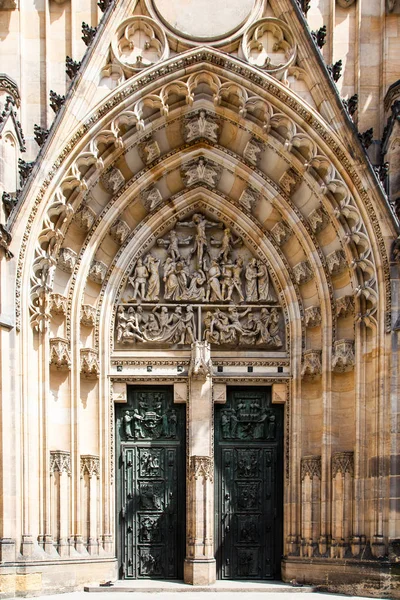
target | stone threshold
[{"x": 151, "y": 585}]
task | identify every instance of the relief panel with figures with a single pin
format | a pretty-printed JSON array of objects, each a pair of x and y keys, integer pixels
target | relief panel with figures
[
  {"x": 248, "y": 490},
  {"x": 151, "y": 494},
  {"x": 199, "y": 282}
]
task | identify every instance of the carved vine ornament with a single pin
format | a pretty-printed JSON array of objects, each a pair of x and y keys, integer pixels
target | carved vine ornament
[{"x": 199, "y": 282}]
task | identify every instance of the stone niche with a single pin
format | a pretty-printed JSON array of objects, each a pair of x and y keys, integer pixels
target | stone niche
[{"x": 199, "y": 282}]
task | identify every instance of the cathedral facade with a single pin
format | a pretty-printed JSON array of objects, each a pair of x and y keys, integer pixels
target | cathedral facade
[{"x": 199, "y": 292}]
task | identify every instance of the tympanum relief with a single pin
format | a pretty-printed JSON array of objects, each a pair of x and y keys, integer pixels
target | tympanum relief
[{"x": 199, "y": 282}]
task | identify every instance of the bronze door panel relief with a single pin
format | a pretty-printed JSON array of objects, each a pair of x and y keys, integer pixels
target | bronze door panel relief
[
  {"x": 248, "y": 436},
  {"x": 151, "y": 493}
]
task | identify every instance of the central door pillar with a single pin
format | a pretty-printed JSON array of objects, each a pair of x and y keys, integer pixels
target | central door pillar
[{"x": 200, "y": 565}]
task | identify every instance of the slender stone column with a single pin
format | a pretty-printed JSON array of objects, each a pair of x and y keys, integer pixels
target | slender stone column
[{"x": 199, "y": 568}]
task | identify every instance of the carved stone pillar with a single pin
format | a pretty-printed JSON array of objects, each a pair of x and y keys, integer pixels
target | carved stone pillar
[
  {"x": 60, "y": 472},
  {"x": 200, "y": 568},
  {"x": 342, "y": 502},
  {"x": 310, "y": 504},
  {"x": 90, "y": 473}
]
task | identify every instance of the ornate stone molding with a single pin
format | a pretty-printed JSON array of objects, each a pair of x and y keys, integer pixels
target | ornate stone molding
[
  {"x": 149, "y": 150},
  {"x": 344, "y": 306},
  {"x": 343, "y": 356},
  {"x": 312, "y": 316},
  {"x": 88, "y": 315},
  {"x": 97, "y": 271},
  {"x": 89, "y": 363},
  {"x": 58, "y": 304},
  {"x": 202, "y": 125},
  {"x": 312, "y": 365},
  {"x": 200, "y": 364},
  {"x": 290, "y": 181},
  {"x": 281, "y": 232},
  {"x": 90, "y": 465},
  {"x": 85, "y": 217},
  {"x": 8, "y": 85},
  {"x": 336, "y": 262},
  {"x": 252, "y": 151},
  {"x": 59, "y": 353},
  {"x": 60, "y": 462},
  {"x": 318, "y": 219},
  {"x": 201, "y": 467},
  {"x": 302, "y": 272},
  {"x": 249, "y": 198},
  {"x": 120, "y": 231},
  {"x": 201, "y": 170},
  {"x": 151, "y": 198},
  {"x": 343, "y": 462},
  {"x": 67, "y": 259},
  {"x": 112, "y": 180},
  {"x": 311, "y": 467}
]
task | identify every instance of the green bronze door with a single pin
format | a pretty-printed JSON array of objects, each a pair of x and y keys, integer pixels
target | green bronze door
[
  {"x": 151, "y": 492},
  {"x": 248, "y": 454}
]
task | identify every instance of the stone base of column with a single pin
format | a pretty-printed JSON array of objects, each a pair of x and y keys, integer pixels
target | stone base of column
[
  {"x": 199, "y": 572},
  {"x": 7, "y": 550}
]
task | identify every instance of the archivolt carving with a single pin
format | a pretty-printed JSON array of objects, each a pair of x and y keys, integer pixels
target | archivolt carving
[
  {"x": 343, "y": 356},
  {"x": 312, "y": 366},
  {"x": 58, "y": 304},
  {"x": 281, "y": 232},
  {"x": 344, "y": 306},
  {"x": 88, "y": 315},
  {"x": 201, "y": 125},
  {"x": 120, "y": 231},
  {"x": 59, "y": 353},
  {"x": 89, "y": 363},
  {"x": 313, "y": 316},
  {"x": 282, "y": 126},
  {"x": 248, "y": 199}
]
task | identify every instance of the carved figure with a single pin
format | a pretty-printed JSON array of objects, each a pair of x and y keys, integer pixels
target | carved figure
[
  {"x": 202, "y": 126},
  {"x": 189, "y": 332},
  {"x": 137, "y": 428},
  {"x": 200, "y": 223},
  {"x": 182, "y": 274},
  {"x": 153, "y": 290},
  {"x": 127, "y": 419},
  {"x": 171, "y": 281},
  {"x": 251, "y": 275},
  {"x": 251, "y": 330},
  {"x": 227, "y": 282},
  {"x": 274, "y": 328},
  {"x": 196, "y": 290},
  {"x": 121, "y": 323},
  {"x": 265, "y": 290},
  {"x": 265, "y": 317},
  {"x": 226, "y": 244},
  {"x": 172, "y": 244},
  {"x": 139, "y": 279},
  {"x": 237, "y": 277},
  {"x": 225, "y": 425},
  {"x": 132, "y": 329},
  {"x": 213, "y": 285}
]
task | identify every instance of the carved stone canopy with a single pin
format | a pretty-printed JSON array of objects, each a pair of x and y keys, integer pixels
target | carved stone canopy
[
  {"x": 342, "y": 462},
  {"x": 343, "y": 356},
  {"x": 312, "y": 365},
  {"x": 311, "y": 467},
  {"x": 199, "y": 283}
]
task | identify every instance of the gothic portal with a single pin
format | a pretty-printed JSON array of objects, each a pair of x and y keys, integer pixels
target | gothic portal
[{"x": 199, "y": 293}]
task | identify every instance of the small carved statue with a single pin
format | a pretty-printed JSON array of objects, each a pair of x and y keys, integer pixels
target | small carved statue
[
  {"x": 213, "y": 285},
  {"x": 153, "y": 290},
  {"x": 200, "y": 223},
  {"x": 251, "y": 275},
  {"x": 139, "y": 279}
]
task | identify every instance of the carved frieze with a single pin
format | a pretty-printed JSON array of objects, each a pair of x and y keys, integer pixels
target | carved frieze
[
  {"x": 248, "y": 199},
  {"x": 88, "y": 315},
  {"x": 67, "y": 260},
  {"x": 112, "y": 180},
  {"x": 120, "y": 231},
  {"x": 312, "y": 365},
  {"x": 253, "y": 151},
  {"x": 186, "y": 289},
  {"x": 90, "y": 465},
  {"x": 149, "y": 150},
  {"x": 302, "y": 272},
  {"x": 290, "y": 181},
  {"x": 336, "y": 262},
  {"x": 343, "y": 358},
  {"x": 202, "y": 125},
  {"x": 344, "y": 306},
  {"x": 201, "y": 467},
  {"x": 201, "y": 170},
  {"x": 58, "y": 304},
  {"x": 312, "y": 316},
  {"x": 151, "y": 197},
  {"x": 89, "y": 363},
  {"x": 310, "y": 467},
  {"x": 343, "y": 462},
  {"x": 97, "y": 271},
  {"x": 60, "y": 462},
  {"x": 318, "y": 219},
  {"x": 59, "y": 353},
  {"x": 281, "y": 232},
  {"x": 85, "y": 217}
]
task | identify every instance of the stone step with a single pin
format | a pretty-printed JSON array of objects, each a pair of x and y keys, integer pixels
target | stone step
[{"x": 148, "y": 585}]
